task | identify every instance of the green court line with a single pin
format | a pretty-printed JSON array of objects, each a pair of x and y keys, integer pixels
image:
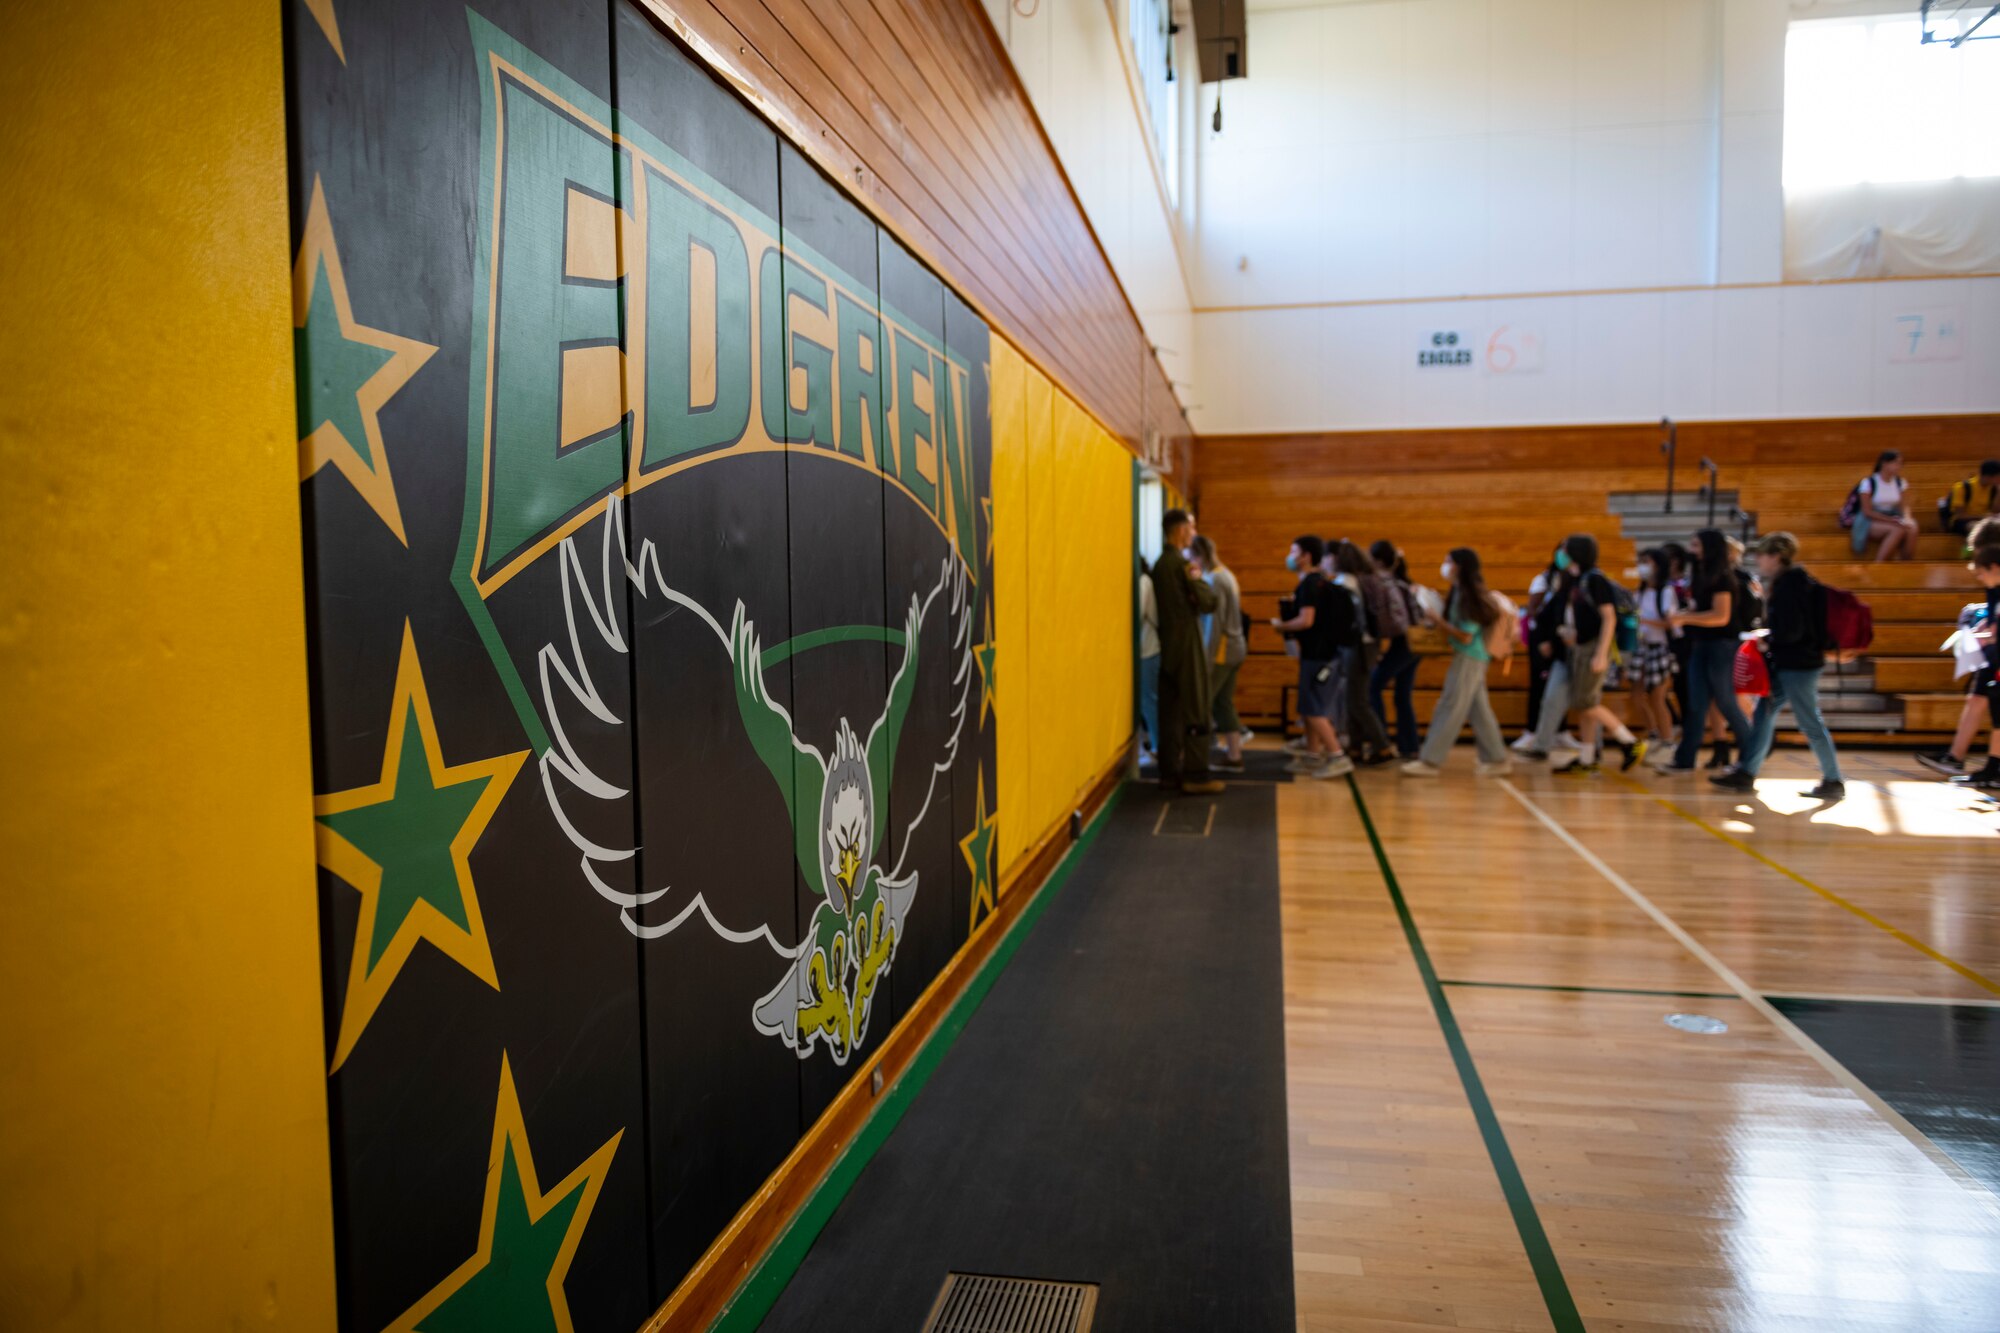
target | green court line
[
  {"x": 1598, "y": 990},
  {"x": 1541, "y": 1255},
  {"x": 767, "y": 1281}
]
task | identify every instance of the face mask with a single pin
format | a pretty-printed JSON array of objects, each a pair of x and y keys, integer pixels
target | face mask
[
  {"x": 1448, "y": 571},
  {"x": 1562, "y": 559},
  {"x": 1292, "y": 562}
]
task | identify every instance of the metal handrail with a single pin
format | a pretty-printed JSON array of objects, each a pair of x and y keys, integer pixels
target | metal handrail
[{"x": 1669, "y": 446}]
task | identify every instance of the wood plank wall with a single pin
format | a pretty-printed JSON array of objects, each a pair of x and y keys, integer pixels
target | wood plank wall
[{"x": 916, "y": 109}]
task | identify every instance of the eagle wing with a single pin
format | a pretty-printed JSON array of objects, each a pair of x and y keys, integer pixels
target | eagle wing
[
  {"x": 950, "y": 597},
  {"x": 798, "y": 768}
]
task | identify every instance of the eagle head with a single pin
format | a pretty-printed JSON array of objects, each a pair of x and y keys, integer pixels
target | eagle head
[{"x": 846, "y": 817}]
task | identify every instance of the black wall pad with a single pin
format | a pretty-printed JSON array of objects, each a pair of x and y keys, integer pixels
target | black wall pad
[{"x": 1115, "y": 1111}]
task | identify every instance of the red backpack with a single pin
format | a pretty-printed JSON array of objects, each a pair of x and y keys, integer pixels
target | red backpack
[{"x": 1850, "y": 625}]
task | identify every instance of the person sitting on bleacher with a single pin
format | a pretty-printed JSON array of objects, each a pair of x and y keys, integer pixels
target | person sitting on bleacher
[
  {"x": 1876, "y": 508},
  {"x": 1969, "y": 501}
]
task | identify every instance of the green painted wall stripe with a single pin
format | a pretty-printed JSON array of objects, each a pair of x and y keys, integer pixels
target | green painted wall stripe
[
  {"x": 766, "y": 1282},
  {"x": 1541, "y": 1255},
  {"x": 819, "y": 638},
  {"x": 1597, "y": 990}
]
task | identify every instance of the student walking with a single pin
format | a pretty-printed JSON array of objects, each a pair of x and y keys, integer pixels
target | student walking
[
  {"x": 1951, "y": 762},
  {"x": 1651, "y": 674},
  {"x": 1149, "y": 664},
  {"x": 1227, "y": 647},
  {"x": 1709, "y": 624},
  {"x": 1184, "y": 694},
  {"x": 1474, "y": 622},
  {"x": 1986, "y": 681},
  {"x": 1795, "y": 643},
  {"x": 1590, "y": 625},
  {"x": 1367, "y": 734},
  {"x": 1323, "y": 617},
  {"x": 1397, "y": 663}
]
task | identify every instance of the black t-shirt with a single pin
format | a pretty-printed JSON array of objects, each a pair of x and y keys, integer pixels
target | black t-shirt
[
  {"x": 1591, "y": 600},
  {"x": 1705, "y": 594},
  {"x": 1334, "y": 624}
]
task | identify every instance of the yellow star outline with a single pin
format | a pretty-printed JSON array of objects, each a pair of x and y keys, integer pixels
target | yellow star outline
[
  {"x": 984, "y": 653},
  {"x": 466, "y": 945},
  {"x": 977, "y": 849},
  {"x": 363, "y": 462},
  {"x": 986, "y": 503},
  {"x": 510, "y": 1161},
  {"x": 322, "y": 12}
]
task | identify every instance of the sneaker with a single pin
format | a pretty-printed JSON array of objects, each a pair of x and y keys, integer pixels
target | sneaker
[
  {"x": 1337, "y": 767},
  {"x": 1526, "y": 741},
  {"x": 1662, "y": 755},
  {"x": 1942, "y": 761},
  {"x": 1721, "y": 758},
  {"x": 1495, "y": 770},
  {"x": 1297, "y": 745},
  {"x": 1986, "y": 779},
  {"x": 1305, "y": 763},
  {"x": 1417, "y": 768},
  {"x": 1209, "y": 787},
  {"x": 1734, "y": 779},
  {"x": 1633, "y": 751},
  {"x": 1578, "y": 769},
  {"x": 1376, "y": 758},
  {"x": 1226, "y": 765},
  {"x": 1568, "y": 741},
  {"x": 1536, "y": 755},
  {"x": 1247, "y": 735},
  {"x": 1829, "y": 791}
]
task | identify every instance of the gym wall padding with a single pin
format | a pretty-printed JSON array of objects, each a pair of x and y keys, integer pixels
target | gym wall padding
[
  {"x": 654, "y": 496},
  {"x": 165, "y": 1154}
]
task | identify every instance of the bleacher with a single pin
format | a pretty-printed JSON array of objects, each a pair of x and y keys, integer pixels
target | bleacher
[{"x": 1431, "y": 491}]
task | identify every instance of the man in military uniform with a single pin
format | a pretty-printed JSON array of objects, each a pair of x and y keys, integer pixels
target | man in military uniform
[{"x": 1185, "y": 713}]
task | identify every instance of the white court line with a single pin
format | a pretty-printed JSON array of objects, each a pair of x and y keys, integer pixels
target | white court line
[{"x": 1756, "y": 1000}]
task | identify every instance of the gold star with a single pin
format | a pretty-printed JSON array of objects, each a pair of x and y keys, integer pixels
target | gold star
[
  {"x": 977, "y": 849},
  {"x": 346, "y": 372},
  {"x": 322, "y": 10},
  {"x": 404, "y": 843},
  {"x": 527, "y": 1237},
  {"x": 985, "y": 653},
  {"x": 986, "y": 503}
]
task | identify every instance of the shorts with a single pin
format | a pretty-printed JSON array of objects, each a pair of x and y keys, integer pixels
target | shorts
[
  {"x": 1586, "y": 686},
  {"x": 1652, "y": 666},
  {"x": 1317, "y": 697}
]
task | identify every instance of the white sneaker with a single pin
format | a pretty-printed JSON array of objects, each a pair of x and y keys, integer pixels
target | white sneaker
[
  {"x": 1496, "y": 770},
  {"x": 1247, "y": 735},
  {"x": 1568, "y": 741},
  {"x": 1337, "y": 767},
  {"x": 1417, "y": 768},
  {"x": 1527, "y": 741},
  {"x": 1297, "y": 745},
  {"x": 1305, "y": 763}
]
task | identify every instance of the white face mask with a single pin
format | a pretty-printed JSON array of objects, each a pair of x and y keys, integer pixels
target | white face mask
[{"x": 1448, "y": 570}]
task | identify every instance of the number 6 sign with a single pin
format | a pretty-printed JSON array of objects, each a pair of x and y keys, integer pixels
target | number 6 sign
[{"x": 1513, "y": 351}]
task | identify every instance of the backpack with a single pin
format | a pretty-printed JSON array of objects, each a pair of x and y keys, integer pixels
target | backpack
[
  {"x": 1850, "y": 508},
  {"x": 1850, "y": 625},
  {"x": 1626, "y": 635},
  {"x": 1503, "y": 636},
  {"x": 1396, "y": 609}
]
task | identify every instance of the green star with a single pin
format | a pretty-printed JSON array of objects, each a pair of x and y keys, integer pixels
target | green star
[
  {"x": 512, "y": 1291},
  {"x": 332, "y": 369},
  {"x": 410, "y": 836},
  {"x": 987, "y": 656},
  {"x": 977, "y": 849}
]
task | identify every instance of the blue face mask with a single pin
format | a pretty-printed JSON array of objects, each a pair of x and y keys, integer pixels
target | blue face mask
[
  {"x": 1292, "y": 561},
  {"x": 1562, "y": 559}
]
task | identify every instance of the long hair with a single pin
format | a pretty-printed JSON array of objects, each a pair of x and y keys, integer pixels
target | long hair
[
  {"x": 1347, "y": 558},
  {"x": 1673, "y": 553},
  {"x": 1386, "y": 556},
  {"x": 1470, "y": 590},
  {"x": 1658, "y": 579},
  {"x": 1712, "y": 572},
  {"x": 1887, "y": 456}
]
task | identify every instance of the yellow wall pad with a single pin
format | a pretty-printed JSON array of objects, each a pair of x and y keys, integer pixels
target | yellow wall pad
[
  {"x": 1755, "y": 1000},
  {"x": 1904, "y": 936},
  {"x": 165, "y": 1150}
]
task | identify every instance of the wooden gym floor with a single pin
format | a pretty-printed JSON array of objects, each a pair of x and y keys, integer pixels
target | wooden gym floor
[{"x": 1493, "y": 1127}]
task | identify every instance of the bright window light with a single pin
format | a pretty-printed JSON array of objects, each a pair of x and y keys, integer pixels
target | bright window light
[
  {"x": 1867, "y": 100},
  {"x": 1149, "y": 25}
]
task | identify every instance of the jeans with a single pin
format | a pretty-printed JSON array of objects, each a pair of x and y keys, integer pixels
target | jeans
[
  {"x": 1368, "y": 731},
  {"x": 1711, "y": 680},
  {"x": 1800, "y": 689},
  {"x": 1464, "y": 698},
  {"x": 1149, "y": 699},
  {"x": 1399, "y": 664},
  {"x": 1555, "y": 702}
]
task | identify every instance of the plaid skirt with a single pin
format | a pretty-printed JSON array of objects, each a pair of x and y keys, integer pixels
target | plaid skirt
[{"x": 1652, "y": 666}]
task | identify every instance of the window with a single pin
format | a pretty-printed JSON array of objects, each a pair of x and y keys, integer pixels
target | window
[
  {"x": 1868, "y": 101},
  {"x": 1149, "y": 26}
]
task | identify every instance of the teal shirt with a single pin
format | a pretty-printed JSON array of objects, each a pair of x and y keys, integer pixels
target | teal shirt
[{"x": 1475, "y": 647}]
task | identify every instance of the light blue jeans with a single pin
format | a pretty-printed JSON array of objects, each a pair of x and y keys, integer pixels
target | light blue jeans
[{"x": 1800, "y": 689}]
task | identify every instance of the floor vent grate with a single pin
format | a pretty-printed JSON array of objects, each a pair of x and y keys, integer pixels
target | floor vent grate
[{"x": 977, "y": 1303}]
